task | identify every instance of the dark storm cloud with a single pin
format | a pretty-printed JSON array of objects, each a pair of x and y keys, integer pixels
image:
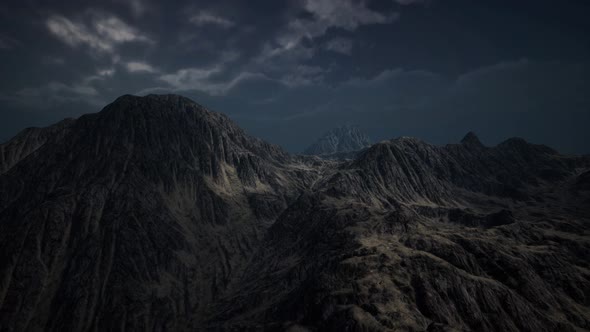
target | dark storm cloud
[{"x": 433, "y": 69}]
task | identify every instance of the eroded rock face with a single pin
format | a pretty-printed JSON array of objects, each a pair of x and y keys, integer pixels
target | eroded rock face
[
  {"x": 411, "y": 236},
  {"x": 339, "y": 140},
  {"x": 28, "y": 141},
  {"x": 156, "y": 214},
  {"x": 137, "y": 217}
]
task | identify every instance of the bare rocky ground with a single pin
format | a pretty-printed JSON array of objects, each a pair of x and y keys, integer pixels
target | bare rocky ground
[{"x": 156, "y": 214}]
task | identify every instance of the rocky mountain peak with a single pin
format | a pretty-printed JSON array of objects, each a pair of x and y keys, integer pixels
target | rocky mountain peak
[
  {"x": 471, "y": 139},
  {"x": 341, "y": 139},
  {"x": 154, "y": 106},
  {"x": 170, "y": 126}
]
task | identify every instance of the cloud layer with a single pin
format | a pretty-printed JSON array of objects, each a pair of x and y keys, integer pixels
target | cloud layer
[
  {"x": 430, "y": 68},
  {"x": 103, "y": 34}
]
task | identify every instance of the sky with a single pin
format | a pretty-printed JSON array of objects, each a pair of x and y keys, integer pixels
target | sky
[{"x": 289, "y": 70}]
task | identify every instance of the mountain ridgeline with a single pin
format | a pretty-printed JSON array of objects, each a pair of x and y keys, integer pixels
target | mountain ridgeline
[
  {"x": 338, "y": 141},
  {"x": 158, "y": 214}
]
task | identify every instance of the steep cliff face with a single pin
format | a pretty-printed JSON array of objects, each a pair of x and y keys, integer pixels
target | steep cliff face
[
  {"x": 157, "y": 214},
  {"x": 339, "y": 140}
]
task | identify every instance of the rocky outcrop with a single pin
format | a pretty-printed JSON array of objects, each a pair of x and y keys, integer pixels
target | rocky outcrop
[
  {"x": 157, "y": 214},
  {"x": 28, "y": 141},
  {"x": 341, "y": 140}
]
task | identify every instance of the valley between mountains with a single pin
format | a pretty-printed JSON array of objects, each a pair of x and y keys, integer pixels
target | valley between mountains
[{"x": 157, "y": 214}]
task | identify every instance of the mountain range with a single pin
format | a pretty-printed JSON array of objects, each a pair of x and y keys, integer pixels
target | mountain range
[{"x": 158, "y": 214}]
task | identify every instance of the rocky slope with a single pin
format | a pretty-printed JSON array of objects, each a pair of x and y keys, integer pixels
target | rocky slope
[
  {"x": 339, "y": 140},
  {"x": 415, "y": 237},
  {"x": 135, "y": 217},
  {"x": 28, "y": 141},
  {"x": 156, "y": 214}
]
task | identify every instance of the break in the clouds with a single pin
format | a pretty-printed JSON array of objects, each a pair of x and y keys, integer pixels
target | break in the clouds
[{"x": 428, "y": 68}]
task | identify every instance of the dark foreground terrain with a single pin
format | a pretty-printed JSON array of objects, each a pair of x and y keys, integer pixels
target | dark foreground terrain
[{"x": 158, "y": 215}]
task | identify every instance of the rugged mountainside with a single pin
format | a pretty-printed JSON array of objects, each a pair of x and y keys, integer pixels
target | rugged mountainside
[
  {"x": 136, "y": 217},
  {"x": 29, "y": 140},
  {"x": 339, "y": 140},
  {"x": 156, "y": 214},
  {"x": 412, "y": 236}
]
